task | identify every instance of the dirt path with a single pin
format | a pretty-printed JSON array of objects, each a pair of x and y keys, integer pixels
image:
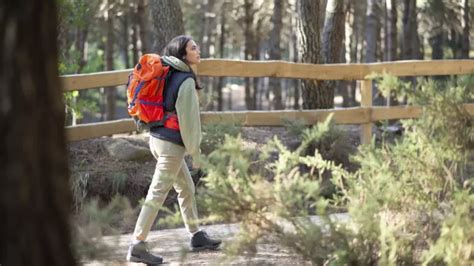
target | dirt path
[{"x": 172, "y": 244}]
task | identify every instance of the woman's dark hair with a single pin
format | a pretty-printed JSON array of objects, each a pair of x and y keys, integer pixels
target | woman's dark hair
[{"x": 177, "y": 48}]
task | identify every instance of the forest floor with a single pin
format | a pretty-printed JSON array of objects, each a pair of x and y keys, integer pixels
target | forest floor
[
  {"x": 103, "y": 175},
  {"x": 97, "y": 175},
  {"x": 173, "y": 246}
]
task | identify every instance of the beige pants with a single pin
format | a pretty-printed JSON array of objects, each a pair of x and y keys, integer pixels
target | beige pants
[{"x": 171, "y": 170}]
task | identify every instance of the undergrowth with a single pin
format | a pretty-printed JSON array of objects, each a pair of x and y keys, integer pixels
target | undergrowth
[{"x": 410, "y": 202}]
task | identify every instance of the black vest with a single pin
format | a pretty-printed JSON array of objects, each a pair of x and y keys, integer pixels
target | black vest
[{"x": 173, "y": 83}]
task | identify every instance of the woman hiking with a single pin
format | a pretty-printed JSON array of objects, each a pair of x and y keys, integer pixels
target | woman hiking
[{"x": 168, "y": 146}]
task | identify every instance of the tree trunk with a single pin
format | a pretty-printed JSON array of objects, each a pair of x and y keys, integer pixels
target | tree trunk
[
  {"x": 371, "y": 30},
  {"x": 322, "y": 13},
  {"x": 372, "y": 34},
  {"x": 256, "y": 56},
  {"x": 142, "y": 15},
  {"x": 35, "y": 197},
  {"x": 275, "y": 50},
  {"x": 249, "y": 44},
  {"x": 109, "y": 65},
  {"x": 455, "y": 43},
  {"x": 134, "y": 43},
  {"x": 436, "y": 42},
  {"x": 333, "y": 36},
  {"x": 360, "y": 18},
  {"x": 64, "y": 37},
  {"x": 436, "y": 39},
  {"x": 80, "y": 45},
  {"x": 165, "y": 28},
  {"x": 231, "y": 49},
  {"x": 315, "y": 95},
  {"x": 465, "y": 46},
  {"x": 391, "y": 35},
  {"x": 207, "y": 28},
  {"x": 222, "y": 37},
  {"x": 209, "y": 25},
  {"x": 125, "y": 40},
  {"x": 411, "y": 40},
  {"x": 294, "y": 49},
  {"x": 350, "y": 44},
  {"x": 202, "y": 12},
  {"x": 333, "y": 33},
  {"x": 391, "y": 54}
]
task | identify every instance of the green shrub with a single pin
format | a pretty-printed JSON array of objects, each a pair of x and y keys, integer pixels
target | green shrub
[
  {"x": 95, "y": 221},
  {"x": 334, "y": 144},
  {"x": 214, "y": 134},
  {"x": 410, "y": 202},
  {"x": 455, "y": 245}
]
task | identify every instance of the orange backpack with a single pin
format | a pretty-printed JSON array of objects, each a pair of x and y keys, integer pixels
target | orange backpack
[{"x": 145, "y": 89}]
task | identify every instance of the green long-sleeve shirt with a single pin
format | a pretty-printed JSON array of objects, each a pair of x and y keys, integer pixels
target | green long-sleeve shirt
[{"x": 187, "y": 108}]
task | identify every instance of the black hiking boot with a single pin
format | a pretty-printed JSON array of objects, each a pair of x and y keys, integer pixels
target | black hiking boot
[
  {"x": 139, "y": 253},
  {"x": 201, "y": 241}
]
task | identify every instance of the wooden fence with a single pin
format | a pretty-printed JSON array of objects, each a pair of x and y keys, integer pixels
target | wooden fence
[{"x": 364, "y": 115}]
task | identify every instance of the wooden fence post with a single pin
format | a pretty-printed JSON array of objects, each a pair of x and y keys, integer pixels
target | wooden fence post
[{"x": 366, "y": 102}]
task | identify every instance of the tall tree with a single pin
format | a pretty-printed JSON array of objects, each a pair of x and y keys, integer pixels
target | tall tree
[
  {"x": 391, "y": 30},
  {"x": 206, "y": 38},
  {"x": 333, "y": 33},
  {"x": 81, "y": 33},
  {"x": 436, "y": 38},
  {"x": 333, "y": 38},
  {"x": 411, "y": 40},
  {"x": 319, "y": 94},
  {"x": 275, "y": 49},
  {"x": 222, "y": 38},
  {"x": 208, "y": 21},
  {"x": 75, "y": 19},
  {"x": 257, "y": 55},
  {"x": 310, "y": 44},
  {"x": 167, "y": 22},
  {"x": 110, "y": 92},
  {"x": 293, "y": 51},
  {"x": 35, "y": 196},
  {"x": 249, "y": 44},
  {"x": 351, "y": 39},
  {"x": 142, "y": 20},
  {"x": 135, "y": 34},
  {"x": 125, "y": 37},
  {"x": 251, "y": 17},
  {"x": 371, "y": 30},
  {"x": 466, "y": 23}
]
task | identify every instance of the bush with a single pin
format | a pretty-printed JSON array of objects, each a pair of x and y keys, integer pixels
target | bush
[
  {"x": 334, "y": 144},
  {"x": 94, "y": 221},
  {"x": 214, "y": 135},
  {"x": 410, "y": 202}
]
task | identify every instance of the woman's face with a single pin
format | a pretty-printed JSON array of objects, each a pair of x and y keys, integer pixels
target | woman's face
[{"x": 193, "y": 54}]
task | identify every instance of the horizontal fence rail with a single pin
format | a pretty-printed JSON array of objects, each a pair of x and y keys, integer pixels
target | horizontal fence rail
[
  {"x": 282, "y": 69},
  {"x": 355, "y": 115},
  {"x": 364, "y": 115}
]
